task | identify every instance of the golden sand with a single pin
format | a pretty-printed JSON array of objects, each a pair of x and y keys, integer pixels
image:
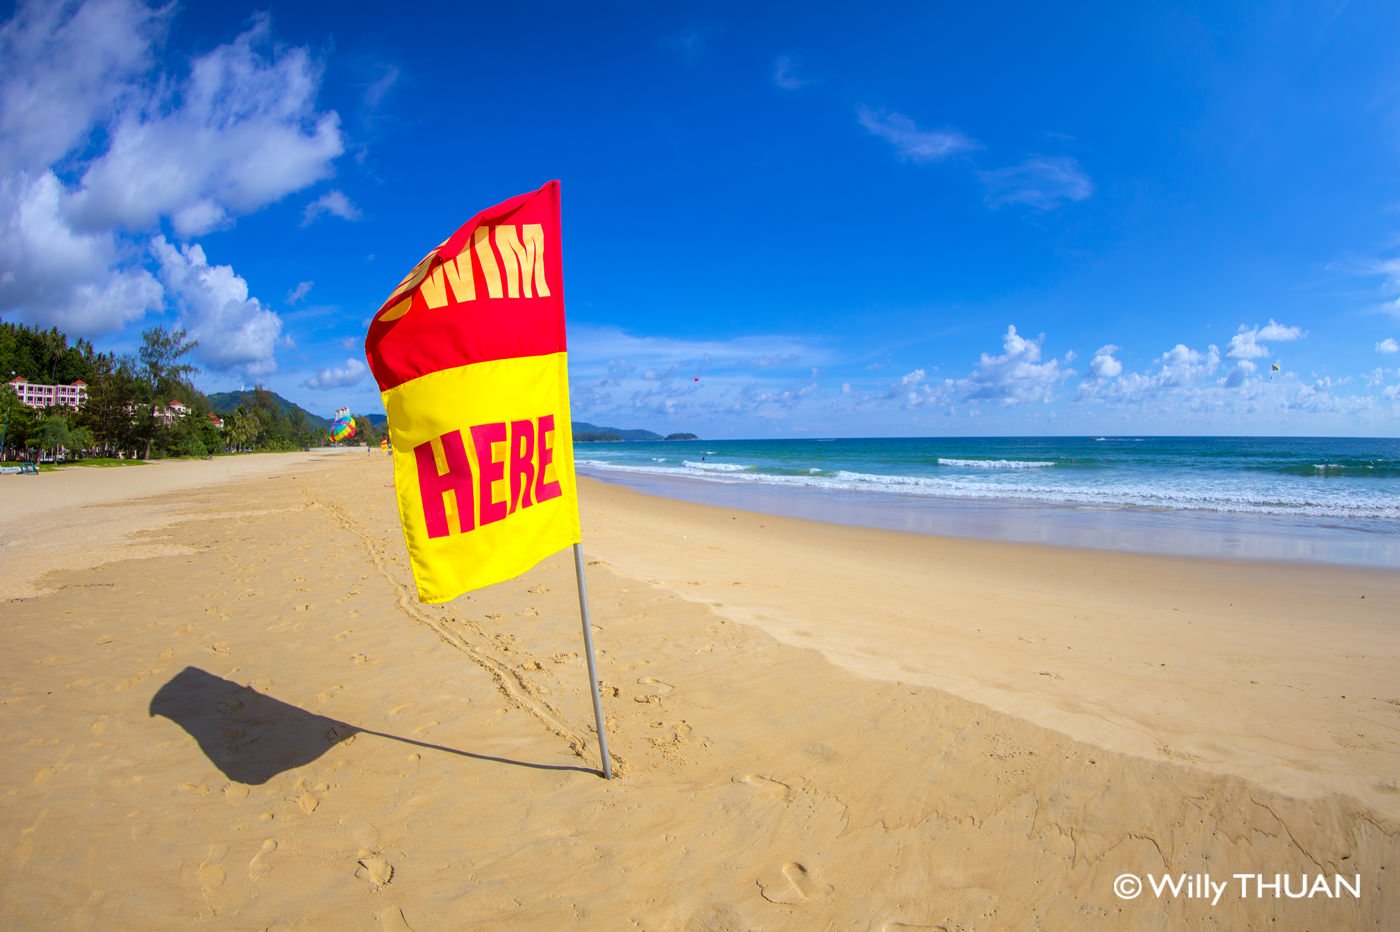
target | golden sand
[{"x": 222, "y": 707}]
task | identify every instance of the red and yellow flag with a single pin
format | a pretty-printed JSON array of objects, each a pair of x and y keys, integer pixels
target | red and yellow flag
[{"x": 470, "y": 357}]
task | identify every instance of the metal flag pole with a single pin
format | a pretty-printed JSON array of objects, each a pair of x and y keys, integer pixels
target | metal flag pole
[{"x": 592, "y": 669}]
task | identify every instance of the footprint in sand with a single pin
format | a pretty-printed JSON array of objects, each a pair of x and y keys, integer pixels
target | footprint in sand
[
  {"x": 766, "y": 786},
  {"x": 211, "y": 870},
  {"x": 393, "y": 920},
  {"x": 795, "y": 886},
  {"x": 258, "y": 868},
  {"x": 374, "y": 869},
  {"x": 537, "y": 590},
  {"x": 310, "y": 797},
  {"x": 656, "y": 685}
]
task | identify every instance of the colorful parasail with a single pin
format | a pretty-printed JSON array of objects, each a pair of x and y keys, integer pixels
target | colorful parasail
[{"x": 343, "y": 427}]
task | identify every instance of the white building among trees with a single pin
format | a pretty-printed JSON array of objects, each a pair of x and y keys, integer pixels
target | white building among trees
[{"x": 35, "y": 395}]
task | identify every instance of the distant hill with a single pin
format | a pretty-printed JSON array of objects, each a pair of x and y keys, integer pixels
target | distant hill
[
  {"x": 592, "y": 433},
  {"x": 227, "y": 402}
]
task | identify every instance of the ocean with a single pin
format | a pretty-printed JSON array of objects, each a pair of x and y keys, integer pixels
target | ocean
[{"x": 1334, "y": 500}]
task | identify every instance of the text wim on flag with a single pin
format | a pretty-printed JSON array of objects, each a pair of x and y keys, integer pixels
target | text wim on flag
[{"x": 470, "y": 356}]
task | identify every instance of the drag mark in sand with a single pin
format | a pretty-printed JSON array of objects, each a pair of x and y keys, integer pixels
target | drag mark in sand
[{"x": 470, "y": 639}]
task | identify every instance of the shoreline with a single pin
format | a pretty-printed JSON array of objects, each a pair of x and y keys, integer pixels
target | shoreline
[
  {"x": 1116, "y": 529},
  {"x": 1085, "y": 642}
]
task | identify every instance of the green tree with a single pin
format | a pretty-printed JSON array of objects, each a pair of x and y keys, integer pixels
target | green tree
[
  {"x": 56, "y": 434},
  {"x": 16, "y": 421},
  {"x": 241, "y": 429},
  {"x": 115, "y": 410},
  {"x": 161, "y": 373}
]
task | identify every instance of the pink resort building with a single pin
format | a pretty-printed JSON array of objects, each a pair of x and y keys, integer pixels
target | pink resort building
[{"x": 44, "y": 396}]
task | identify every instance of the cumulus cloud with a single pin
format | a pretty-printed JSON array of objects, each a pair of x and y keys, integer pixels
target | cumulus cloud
[
  {"x": 1104, "y": 365},
  {"x": 81, "y": 97},
  {"x": 1015, "y": 376},
  {"x": 242, "y": 133},
  {"x": 1246, "y": 344},
  {"x": 334, "y": 203},
  {"x": 343, "y": 377},
  {"x": 65, "y": 68},
  {"x": 53, "y": 275},
  {"x": 234, "y": 330},
  {"x": 912, "y": 143},
  {"x": 1038, "y": 182},
  {"x": 1179, "y": 369},
  {"x": 1388, "y": 345}
]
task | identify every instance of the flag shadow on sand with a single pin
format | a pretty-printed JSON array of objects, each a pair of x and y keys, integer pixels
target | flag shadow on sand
[{"x": 252, "y": 737}]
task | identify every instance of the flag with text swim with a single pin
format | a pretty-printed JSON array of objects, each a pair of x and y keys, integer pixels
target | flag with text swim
[{"x": 470, "y": 357}]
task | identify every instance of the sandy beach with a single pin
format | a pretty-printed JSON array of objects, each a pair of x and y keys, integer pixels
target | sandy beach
[{"x": 223, "y": 708}]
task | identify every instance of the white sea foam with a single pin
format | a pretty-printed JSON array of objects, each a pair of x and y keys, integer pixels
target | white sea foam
[
  {"x": 1229, "y": 497},
  {"x": 994, "y": 464},
  {"x": 713, "y": 467}
]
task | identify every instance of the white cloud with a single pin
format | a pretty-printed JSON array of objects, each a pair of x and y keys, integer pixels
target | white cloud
[
  {"x": 80, "y": 97},
  {"x": 349, "y": 374},
  {"x": 1388, "y": 345},
  {"x": 300, "y": 291},
  {"x": 334, "y": 203},
  {"x": 1182, "y": 365},
  {"x": 1039, "y": 182},
  {"x": 53, "y": 275},
  {"x": 618, "y": 374},
  {"x": 64, "y": 70},
  {"x": 1104, "y": 365},
  {"x": 1015, "y": 376},
  {"x": 1179, "y": 369},
  {"x": 234, "y": 330},
  {"x": 1246, "y": 343},
  {"x": 241, "y": 133},
  {"x": 912, "y": 143}
]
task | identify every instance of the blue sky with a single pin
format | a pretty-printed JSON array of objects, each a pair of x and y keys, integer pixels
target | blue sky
[{"x": 805, "y": 220}]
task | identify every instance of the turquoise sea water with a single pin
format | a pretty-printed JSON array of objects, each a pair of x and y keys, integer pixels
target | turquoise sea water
[{"x": 1327, "y": 499}]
